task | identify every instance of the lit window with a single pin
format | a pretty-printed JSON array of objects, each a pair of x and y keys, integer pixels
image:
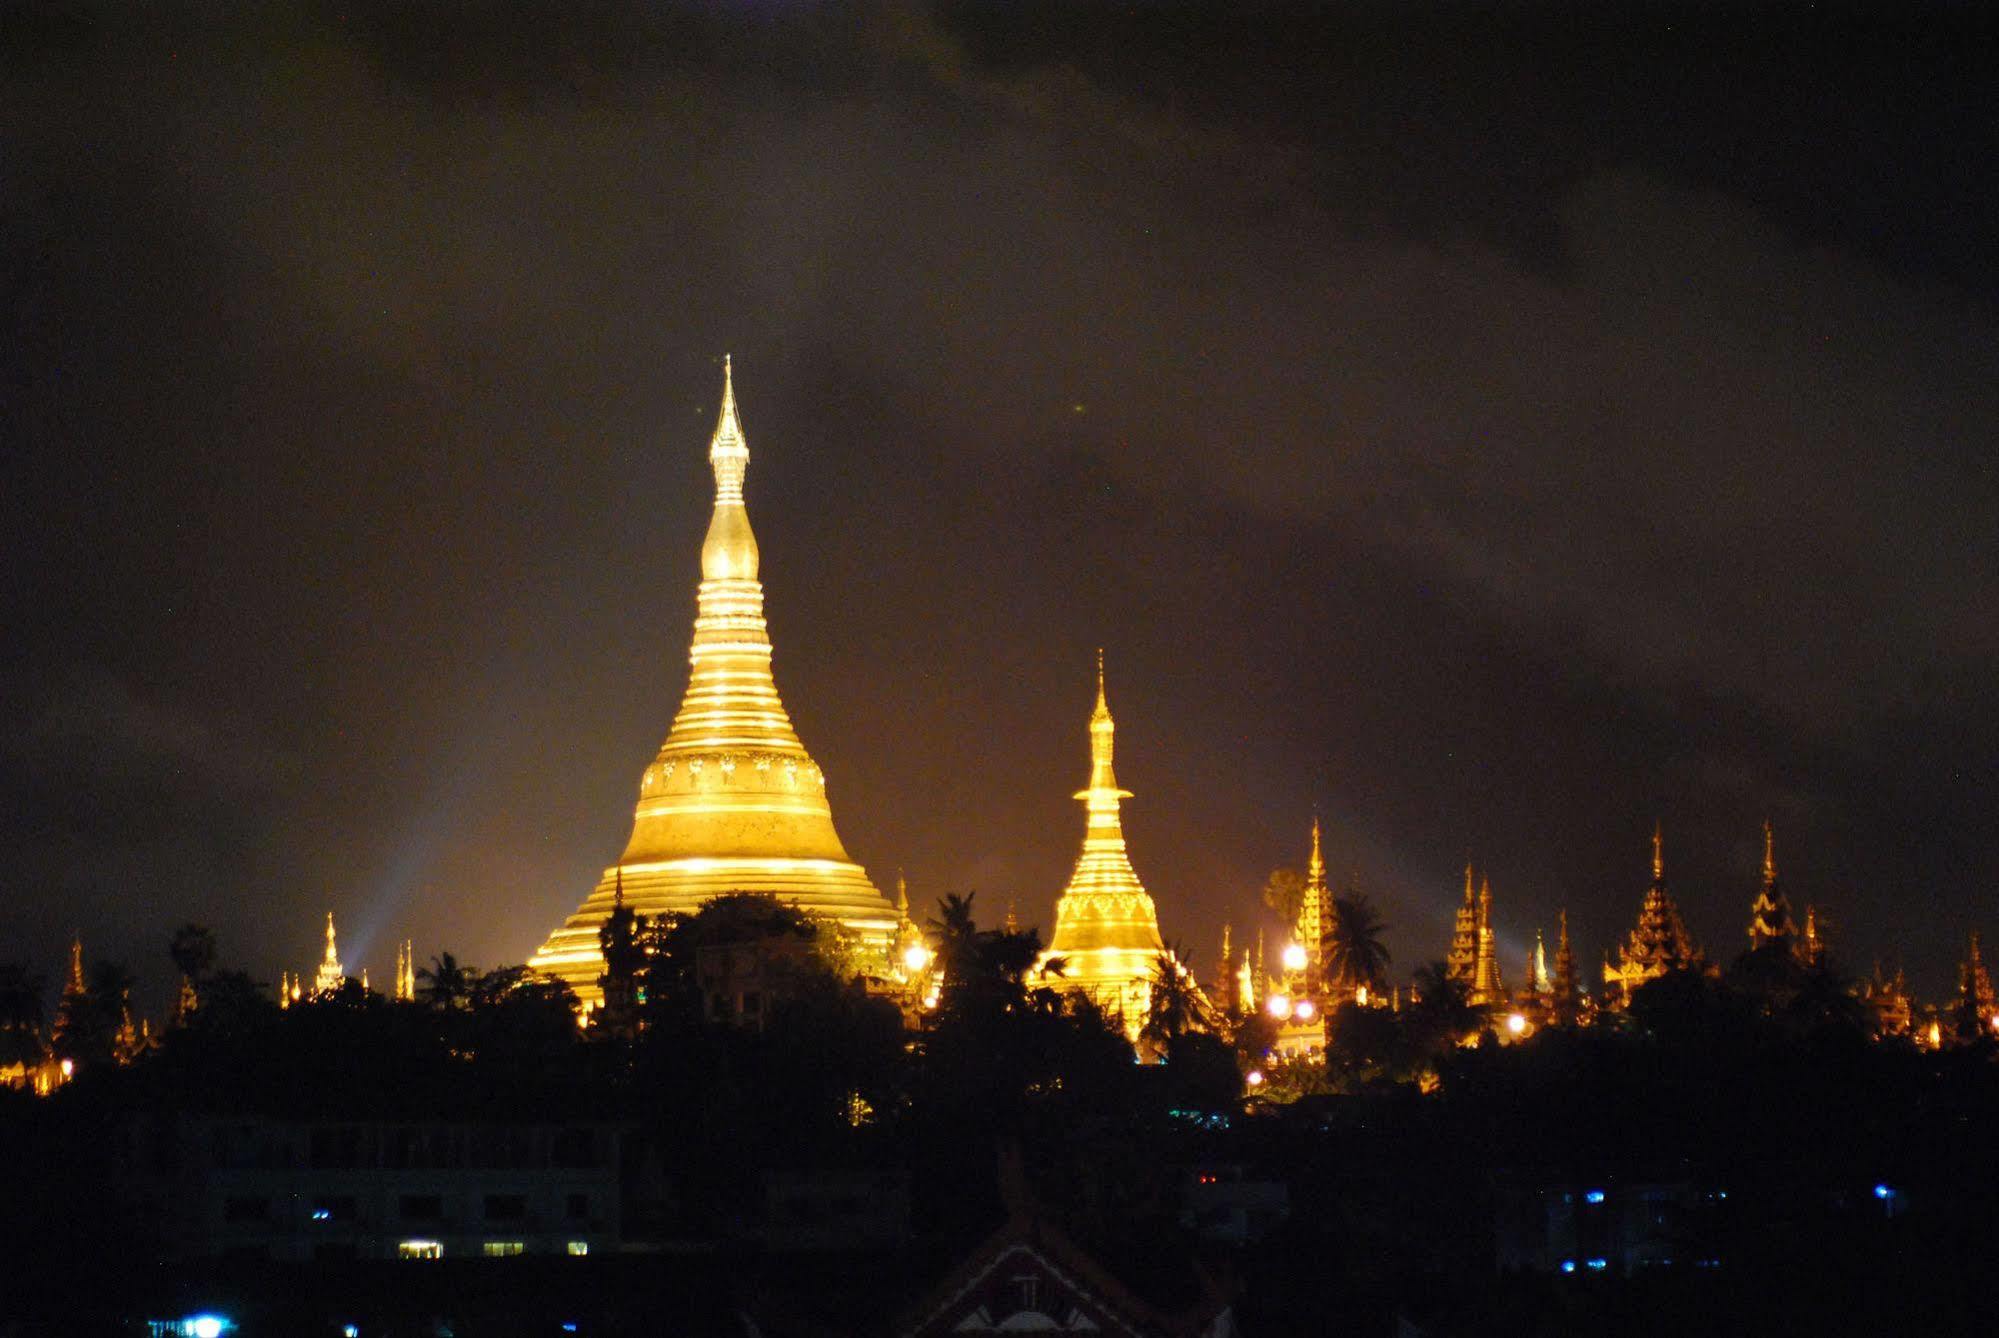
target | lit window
[
  {"x": 503, "y": 1249},
  {"x": 420, "y": 1249},
  {"x": 579, "y": 1247}
]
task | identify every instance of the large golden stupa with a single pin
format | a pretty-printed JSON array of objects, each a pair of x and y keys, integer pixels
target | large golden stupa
[
  {"x": 1106, "y": 928},
  {"x": 733, "y": 802}
]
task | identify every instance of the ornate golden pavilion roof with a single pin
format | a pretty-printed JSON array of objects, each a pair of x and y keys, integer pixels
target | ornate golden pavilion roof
[
  {"x": 1106, "y": 928},
  {"x": 733, "y": 802}
]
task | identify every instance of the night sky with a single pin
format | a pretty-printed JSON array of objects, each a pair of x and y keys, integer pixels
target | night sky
[{"x": 1499, "y": 430}]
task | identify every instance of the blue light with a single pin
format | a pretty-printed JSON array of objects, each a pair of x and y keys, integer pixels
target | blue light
[
  {"x": 1594, "y": 1196},
  {"x": 1883, "y": 1192},
  {"x": 1568, "y": 1265},
  {"x": 205, "y": 1326},
  {"x": 569, "y": 1326},
  {"x": 322, "y": 1214},
  {"x": 350, "y": 1331},
  {"x": 1598, "y": 1265}
]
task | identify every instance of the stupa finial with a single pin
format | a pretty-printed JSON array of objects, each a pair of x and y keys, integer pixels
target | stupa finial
[
  {"x": 730, "y": 551},
  {"x": 1658, "y": 851}
]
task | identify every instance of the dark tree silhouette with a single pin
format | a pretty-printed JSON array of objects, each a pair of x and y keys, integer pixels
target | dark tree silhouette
[
  {"x": 445, "y": 984},
  {"x": 1353, "y": 948},
  {"x": 1441, "y": 1014},
  {"x": 20, "y": 1015},
  {"x": 1284, "y": 893},
  {"x": 1177, "y": 1004},
  {"x": 193, "y": 951}
]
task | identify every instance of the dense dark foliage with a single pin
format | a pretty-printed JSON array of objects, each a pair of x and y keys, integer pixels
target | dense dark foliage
[{"x": 1762, "y": 1082}]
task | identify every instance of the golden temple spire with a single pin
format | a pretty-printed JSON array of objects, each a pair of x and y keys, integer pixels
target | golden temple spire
[
  {"x": 1315, "y": 864},
  {"x": 1769, "y": 854},
  {"x": 1487, "y": 987},
  {"x": 73, "y": 982},
  {"x": 901, "y": 895},
  {"x": 732, "y": 802},
  {"x": 331, "y": 974},
  {"x": 1106, "y": 927},
  {"x": 1658, "y": 852}
]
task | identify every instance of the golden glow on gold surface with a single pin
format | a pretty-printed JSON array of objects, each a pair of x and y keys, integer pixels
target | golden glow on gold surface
[
  {"x": 1106, "y": 928},
  {"x": 732, "y": 802},
  {"x": 1294, "y": 957}
]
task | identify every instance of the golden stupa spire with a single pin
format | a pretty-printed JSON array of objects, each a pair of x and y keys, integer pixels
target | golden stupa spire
[
  {"x": 1769, "y": 854},
  {"x": 73, "y": 982},
  {"x": 733, "y": 802},
  {"x": 1658, "y": 852},
  {"x": 1313, "y": 911},
  {"x": 331, "y": 974},
  {"x": 1106, "y": 927},
  {"x": 1487, "y": 986}
]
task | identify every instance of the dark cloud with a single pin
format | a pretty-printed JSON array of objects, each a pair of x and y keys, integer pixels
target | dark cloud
[{"x": 1496, "y": 485}]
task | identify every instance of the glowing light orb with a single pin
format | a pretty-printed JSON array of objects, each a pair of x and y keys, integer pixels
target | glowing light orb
[
  {"x": 1304, "y": 1010},
  {"x": 1294, "y": 957},
  {"x": 1278, "y": 1006},
  {"x": 1254, "y": 1077},
  {"x": 1516, "y": 1023},
  {"x": 915, "y": 957}
]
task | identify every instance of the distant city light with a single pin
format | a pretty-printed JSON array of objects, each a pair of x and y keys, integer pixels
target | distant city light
[
  {"x": 322, "y": 1214},
  {"x": 1568, "y": 1265},
  {"x": 1598, "y": 1265},
  {"x": 1883, "y": 1192},
  {"x": 1594, "y": 1196},
  {"x": 350, "y": 1331},
  {"x": 205, "y": 1326},
  {"x": 1294, "y": 958}
]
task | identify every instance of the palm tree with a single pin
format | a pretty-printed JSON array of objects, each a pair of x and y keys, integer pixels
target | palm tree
[
  {"x": 446, "y": 984},
  {"x": 1354, "y": 952},
  {"x": 1177, "y": 1004}
]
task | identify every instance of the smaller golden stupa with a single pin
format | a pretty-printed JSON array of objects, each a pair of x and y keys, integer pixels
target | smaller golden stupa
[{"x": 1106, "y": 928}]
